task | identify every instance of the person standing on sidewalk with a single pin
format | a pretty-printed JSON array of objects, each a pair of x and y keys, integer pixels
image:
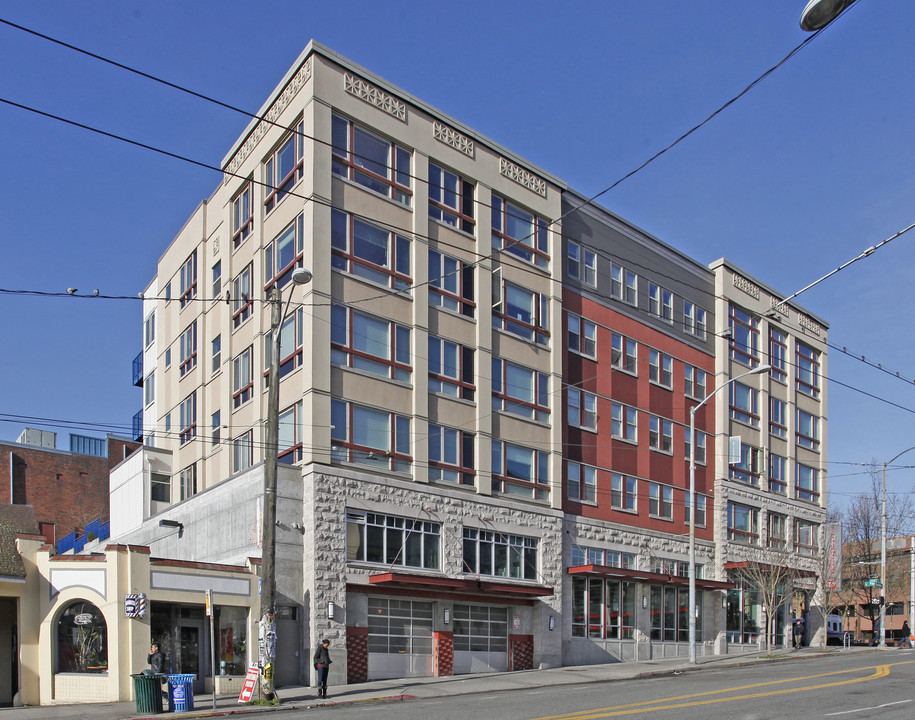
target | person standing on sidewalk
[{"x": 322, "y": 665}]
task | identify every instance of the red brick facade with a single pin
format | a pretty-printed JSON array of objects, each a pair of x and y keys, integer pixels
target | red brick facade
[
  {"x": 67, "y": 490},
  {"x": 357, "y": 654}
]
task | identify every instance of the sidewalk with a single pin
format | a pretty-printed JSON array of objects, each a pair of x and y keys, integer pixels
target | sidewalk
[{"x": 409, "y": 688}]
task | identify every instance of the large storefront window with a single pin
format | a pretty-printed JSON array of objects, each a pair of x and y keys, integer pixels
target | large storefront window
[
  {"x": 670, "y": 614},
  {"x": 743, "y": 616},
  {"x": 603, "y": 608},
  {"x": 232, "y": 624},
  {"x": 82, "y": 639}
]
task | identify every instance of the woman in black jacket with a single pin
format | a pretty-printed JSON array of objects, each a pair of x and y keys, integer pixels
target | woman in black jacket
[{"x": 322, "y": 665}]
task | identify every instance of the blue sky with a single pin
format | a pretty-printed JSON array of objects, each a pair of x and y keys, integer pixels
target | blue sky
[{"x": 800, "y": 175}]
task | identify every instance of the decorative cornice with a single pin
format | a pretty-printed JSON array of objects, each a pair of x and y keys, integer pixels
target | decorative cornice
[
  {"x": 446, "y": 135},
  {"x": 276, "y": 109},
  {"x": 808, "y": 324},
  {"x": 363, "y": 90},
  {"x": 741, "y": 283},
  {"x": 522, "y": 177}
]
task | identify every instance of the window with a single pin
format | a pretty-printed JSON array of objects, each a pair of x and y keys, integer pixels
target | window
[
  {"x": 450, "y": 198},
  {"x": 242, "y": 452},
  {"x": 624, "y": 353},
  {"x": 188, "y": 350},
  {"x": 500, "y": 555},
  {"x": 701, "y": 440},
  {"x": 243, "y": 305},
  {"x": 290, "y": 345},
  {"x": 450, "y": 368},
  {"x": 451, "y": 455},
  {"x": 746, "y": 470},
  {"x": 694, "y": 382},
  {"x": 623, "y": 284},
  {"x": 808, "y": 425},
  {"x": 582, "y": 336},
  {"x": 160, "y": 487},
  {"x": 284, "y": 255},
  {"x": 744, "y": 344},
  {"x": 582, "y": 409},
  {"x": 597, "y": 556},
  {"x": 243, "y": 378},
  {"x": 149, "y": 330},
  {"x": 149, "y": 388},
  {"x": 289, "y": 435},
  {"x": 242, "y": 216},
  {"x": 371, "y": 344},
  {"x": 744, "y": 403},
  {"x": 520, "y": 390},
  {"x": 217, "y": 280},
  {"x": 187, "y": 482},
  {"x": 521, "y": 312},
  {"x": 188, "y": 418},
  {"x": 603, "y": 608},
  {"x": 82, "y": 640},
  {"x": 216, "y": 428},
  {"x": 805, "y": 538},
  {"x": 520, "y": 233},
  {"x": 778, "y": 531},
  {"x": 216, "y": 353},
  {"x": 451, "y": 284},
  {"x": 392, "y": 540},
  {"x": 168, "y": 423},
  {"x": 623, "y": 492},
  {"x": 670, "y": 613},
  {"x": 807, "y": 483},
  {"x": 188, "y": 275},
  {"x": 660, "y": 302},
  {"x": 660, "y": 434},
  {"x": 660, "y": 368},
  {"x": 283, "y": 169},
  {"x": 778, "y": 354},
  {"x": 520, "y": 471},
  {"x": 778, "y": 421},
  {"x": 701, "y": 503},
  {"x": 743, "y": 524},
  {"x": 623, "y": 422},
  {"x": 695, "y": 320},
  {"x": 808, "y": 370},
  {"x": 168, "y": 358},
  {"x": 778, "y": 474},
  {"x": 371, "y": 161},
  {"x": 369, "y": 252},
  {"x": 660, "y": 501},
  {"x": 581, "y": 264},
  {"x": 582, "y": 485},
  {"x": 368, "y": 436}
]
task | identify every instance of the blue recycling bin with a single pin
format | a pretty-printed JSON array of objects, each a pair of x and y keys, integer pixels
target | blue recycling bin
[{"x": 180, "y": 692}]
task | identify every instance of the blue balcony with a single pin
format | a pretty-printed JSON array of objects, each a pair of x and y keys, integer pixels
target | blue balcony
[
  {"x": 138, "y": 370},
  {"x": 138, "y": 426}
]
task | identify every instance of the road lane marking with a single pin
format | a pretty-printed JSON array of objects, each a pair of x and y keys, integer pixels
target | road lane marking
[
  {"x": 880, "y": 671},
  {"x": 875, "y": 707}
]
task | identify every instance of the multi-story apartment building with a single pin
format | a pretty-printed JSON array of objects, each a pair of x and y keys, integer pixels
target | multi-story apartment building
[
  {"x": 770, "y": 505},
  {"x": 483, "y": 408}
]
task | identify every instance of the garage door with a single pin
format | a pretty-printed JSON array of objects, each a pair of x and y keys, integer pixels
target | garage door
[
  {"x": 400, "y": 638},
  {"x": 480, "y": 639}
]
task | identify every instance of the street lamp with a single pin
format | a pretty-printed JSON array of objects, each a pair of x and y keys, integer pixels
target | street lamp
[
  {"x": 300, "y": 276},
  {"x": 692, "y": 505},
  {"x": 883, "y": 551},
  {"x": 819, "y": 13}
]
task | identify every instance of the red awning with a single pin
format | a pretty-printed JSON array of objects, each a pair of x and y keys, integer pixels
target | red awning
[
  {"x": 476, "y": 585},
  {"x": 649, "y": 577}
]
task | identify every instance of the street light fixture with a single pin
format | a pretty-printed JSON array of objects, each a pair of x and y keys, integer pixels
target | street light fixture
[
  {"x": 819, "y": 13},
  {"x": 300, "y": 276},
  {"x": 692, "y": 505},
  {"x": 883, "y": 551}
]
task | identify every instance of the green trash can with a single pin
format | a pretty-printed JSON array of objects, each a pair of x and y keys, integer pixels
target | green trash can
[
  {"x": 147, "y": 689},
  {"x": 180, "y": 692}
]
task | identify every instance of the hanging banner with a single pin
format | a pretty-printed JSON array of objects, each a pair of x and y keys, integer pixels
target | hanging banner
[{"x": 834, "y": 556}]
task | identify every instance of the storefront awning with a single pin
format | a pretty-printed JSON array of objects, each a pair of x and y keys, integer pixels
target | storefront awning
[
  {"x": 649, "y": 577},
  {"x": 473, "y": 586}
]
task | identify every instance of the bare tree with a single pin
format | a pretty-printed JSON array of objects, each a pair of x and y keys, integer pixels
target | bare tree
[{"x": 771, "y": 573}]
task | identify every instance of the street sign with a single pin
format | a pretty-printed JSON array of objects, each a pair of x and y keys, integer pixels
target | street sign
[
  {"x": 247, "y": 690},
  {"x": 873, "y": 583}
]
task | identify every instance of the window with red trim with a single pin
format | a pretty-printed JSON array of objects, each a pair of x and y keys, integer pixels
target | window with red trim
[
  {"x": 522, "y": 312},
  {"x": 289, "y": 435},
  {"x": 242, "y": 216},
  {"x": 369, "y": 252},
  {"x": 451, "y": 368},
  {"x": 520, "y": 233},
  {"x": 283, "y": 169},
  {"x": 372, "y": 161},
  {"x": 243, "y": 377},
  {"x": 188, "y": 349},
  {"x": 450, "y": 198},
  {"x": 368, "y": 436},
  {"x": 290, "y": 346},
  {"x": 188, "y": 280},
  {"x": 451, "y": 455},
  {"x": 188, "y": 417},
  {"x": 368, "y": 343},
  {"x": 520, "y": 471},
  {"x": 243, "y": 305},
  {"x": 451, "y": 284},
  {"x": 284, "y": 254},
  {"x": 520, "y": 391}
]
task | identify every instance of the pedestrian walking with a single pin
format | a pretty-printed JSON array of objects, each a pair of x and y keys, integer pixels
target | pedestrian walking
[
  {"x": 797, "y": 633},
  {"x": 322, "y": 665},
  {"x": 905, "y": 641},
  {"x": 156, "y": 659}
]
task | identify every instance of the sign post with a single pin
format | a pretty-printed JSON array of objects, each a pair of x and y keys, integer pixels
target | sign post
[{"x": 212, "y": 642}]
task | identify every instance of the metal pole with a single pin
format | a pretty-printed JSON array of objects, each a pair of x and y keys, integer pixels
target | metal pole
[
  {"x": 912, "y": 584},
  {"x": 883, "y": 565},
  {"x": 692, "y": 534}
]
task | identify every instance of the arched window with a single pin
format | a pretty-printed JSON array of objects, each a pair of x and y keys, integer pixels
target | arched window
[{"x": 82, "y": 639}]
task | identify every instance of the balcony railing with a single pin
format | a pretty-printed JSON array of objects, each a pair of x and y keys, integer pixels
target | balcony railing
[
  {"x": 96, "y": 530},
  {"x": 138, "y": 426},
  {"x": 138, "y": 370}
]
